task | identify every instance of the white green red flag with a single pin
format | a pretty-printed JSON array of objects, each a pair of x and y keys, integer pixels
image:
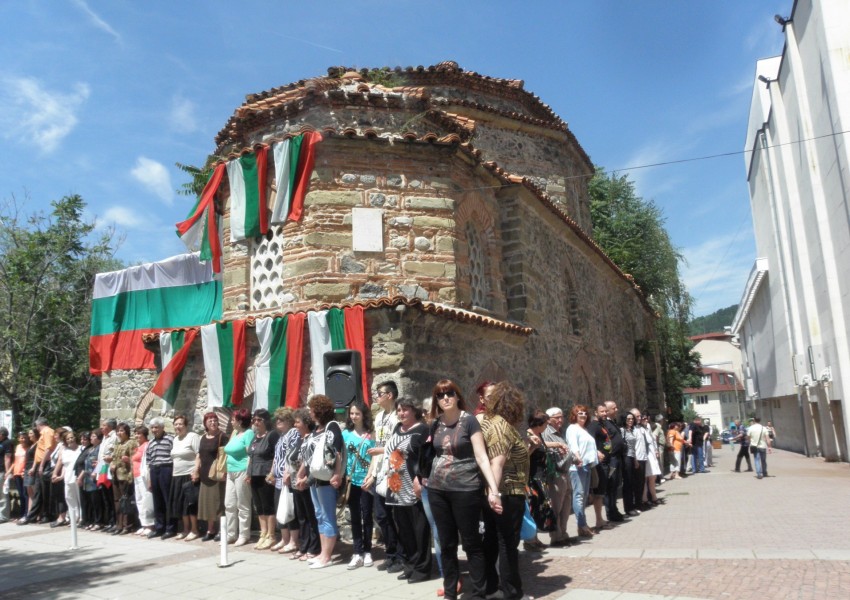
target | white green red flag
[
  {"x": 224, "y": 362},
  {"x": 178, "y": 292},
  {"x": 336, "y": 329},
  {"x": 174, "y": 350},
  {"x": 293, "y": 163},
  {"x": 201, "y": 229},
  {"x": 248, "y": 177},
  {"x": 277, "y": 367}
]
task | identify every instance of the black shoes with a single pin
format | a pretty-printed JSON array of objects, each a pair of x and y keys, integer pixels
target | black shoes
[
  {"x": 403, "y": 576},
  {"x": 208, "y": 537},
  {"x": 168, "y": 535},
  {"x": 154, "y": 534},
  {"x": 396, "y": 567}
]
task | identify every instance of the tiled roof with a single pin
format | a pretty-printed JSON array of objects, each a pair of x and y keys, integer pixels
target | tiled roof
[
  {"x": 715, "y": 386},
  {"x": 718, "y": 335},
  {"x": 434, "y": 308}
]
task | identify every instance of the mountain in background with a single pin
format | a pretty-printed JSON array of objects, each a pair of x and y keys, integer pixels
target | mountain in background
[{"x": 716, "y": 321}]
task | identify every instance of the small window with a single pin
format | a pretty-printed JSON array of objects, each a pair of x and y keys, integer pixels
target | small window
[
  {"x": 706, "y": 379},
  {"x": 702, "y": 399},
  {"x": 477, "y": 269}
]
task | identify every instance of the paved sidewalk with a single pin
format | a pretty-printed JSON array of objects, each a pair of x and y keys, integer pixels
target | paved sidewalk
[{"x": 719, "y": 535}]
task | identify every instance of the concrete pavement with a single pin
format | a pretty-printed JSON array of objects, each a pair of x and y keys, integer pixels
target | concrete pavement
[{"x": 719, "y": 535}]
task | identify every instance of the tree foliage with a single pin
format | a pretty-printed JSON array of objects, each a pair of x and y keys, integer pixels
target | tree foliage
[
  {"x": 47, "y": 269},
  {"x": 715, "y": 322},
  {"x": 198, "y": 177},
  {"x": 631, "y": 231}
]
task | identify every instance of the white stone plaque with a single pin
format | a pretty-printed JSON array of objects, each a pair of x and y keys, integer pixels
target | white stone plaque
[{"x": 367, "y": 226}]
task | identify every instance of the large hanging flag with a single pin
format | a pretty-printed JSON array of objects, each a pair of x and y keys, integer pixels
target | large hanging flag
[
  {"x": 174, "y": 350},
  {"x": 293, "y": 162},
  {"x": 294, "y": 358},
  {"x": 270, "y": 365},
  {"x": 224, "y": 362},
  {"x": 248, "y": 177},
  {"x": 336, "y": 329},
  {"x": 177, "y": 292},
  {"x": 200, "y": 230}
]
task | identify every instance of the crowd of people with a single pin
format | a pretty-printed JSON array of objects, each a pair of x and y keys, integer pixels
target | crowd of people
[{"x": 429, "y": 476}]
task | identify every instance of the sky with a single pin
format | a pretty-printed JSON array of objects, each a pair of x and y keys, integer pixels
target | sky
[{"x": 102, "y": 98}]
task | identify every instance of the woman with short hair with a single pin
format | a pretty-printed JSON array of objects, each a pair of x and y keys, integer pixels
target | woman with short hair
[
  {"x": 259, "y": 472},
  {"x": 284, "y": 424},
  {"x": 211, "y": 492},
  {"x": 122, "y": 478},
  {"x": 183, "y": 495},
  {"x": 65, "y": 471},
  {"x": 87, "y": 480},
  {"x": 305, "y": 514},
  {"x": 237, "y": 491},
  {"x": 144, "y": 500},
  {"x": 326, "y": 439}
]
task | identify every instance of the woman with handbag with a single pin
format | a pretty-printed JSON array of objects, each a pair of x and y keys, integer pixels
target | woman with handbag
[
  {"x": 305, "y": 514},
  {"x": 211, "y": 465},
  {"x": 324, "y": 468},
  {"x": 284, "y": 424},
  {"x": 183, "y": 493},
  {"x": 358, "y": 440},
  {"x": 259, "y": 473},
  {"x": 122, "y": 480}
]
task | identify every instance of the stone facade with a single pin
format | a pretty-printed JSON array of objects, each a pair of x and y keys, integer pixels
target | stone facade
[{"x": 487, "y": 270}]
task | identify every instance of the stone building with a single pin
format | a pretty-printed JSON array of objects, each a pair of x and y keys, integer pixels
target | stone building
[{"x": 455, "y": 208}]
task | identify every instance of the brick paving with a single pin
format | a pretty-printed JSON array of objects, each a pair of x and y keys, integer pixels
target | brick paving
[{"x": 719, "y": 535}]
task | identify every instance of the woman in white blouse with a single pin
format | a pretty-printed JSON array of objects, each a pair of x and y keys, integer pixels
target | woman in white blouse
[{"x": 583, "y": 447}]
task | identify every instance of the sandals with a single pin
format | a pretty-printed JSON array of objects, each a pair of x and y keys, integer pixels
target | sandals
[
  {"x": 297, "y": 555},
  {"x": 306, "y": 557},
  {"x": 286, "y": 549}
]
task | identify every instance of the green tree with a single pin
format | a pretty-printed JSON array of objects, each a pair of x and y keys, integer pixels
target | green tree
[
  {"x": 631, "y": 231},
  {"x": 47, "y": 269},
  {"x": 199, "y": 177}
]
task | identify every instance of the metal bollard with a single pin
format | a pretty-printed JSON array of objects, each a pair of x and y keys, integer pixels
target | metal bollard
[
  {"x": 223, "y": 535},
  {"x": 72, "y": 514}
]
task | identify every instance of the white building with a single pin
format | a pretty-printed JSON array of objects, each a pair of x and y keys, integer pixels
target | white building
[
  {"x": 793, "y": 317},
  {"x": 717, "y": 400},
  {"x": 721, "y": 350}
]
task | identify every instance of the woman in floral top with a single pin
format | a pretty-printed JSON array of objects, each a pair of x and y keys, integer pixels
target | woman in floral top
[{"x": 122, "y": 477}]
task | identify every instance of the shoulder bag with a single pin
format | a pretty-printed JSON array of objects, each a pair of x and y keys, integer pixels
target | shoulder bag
[{"x": 218, "y": 469}]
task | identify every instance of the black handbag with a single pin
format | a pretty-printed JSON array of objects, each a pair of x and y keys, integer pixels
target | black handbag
[{"x": 127, "y": 502}]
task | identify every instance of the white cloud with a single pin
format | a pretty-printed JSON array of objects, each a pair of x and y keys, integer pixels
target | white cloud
[
  {"x": 96, "y": 20},
  {"x": 33, "y": 114},
  {"x": 155, "y": 177},
  {"x": 716, "y": 270},
  {"x": 182, "y": 116},
  {"x": 122, "y": 217}
]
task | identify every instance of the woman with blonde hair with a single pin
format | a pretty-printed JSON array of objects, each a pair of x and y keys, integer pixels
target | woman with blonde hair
[
  {"x": 284, "y": 422},
  {"x": 583, "y": 447}
]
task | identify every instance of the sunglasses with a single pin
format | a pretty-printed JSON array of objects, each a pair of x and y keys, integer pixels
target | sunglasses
[
  {"x": 581, "y": 414},
  {"x": 449, "y": 394}
]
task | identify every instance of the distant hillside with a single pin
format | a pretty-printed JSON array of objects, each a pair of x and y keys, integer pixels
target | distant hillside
[{"x": 716, "y": 321}]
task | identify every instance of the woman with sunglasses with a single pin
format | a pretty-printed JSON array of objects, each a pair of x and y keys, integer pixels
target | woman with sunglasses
[
  {"x": 631, "y": 468},
  {"x": 455, "y": 486},
  {"x": 652, "y": 468},
  {"x": 583, "y": 447},
  {"x": 260, "y": 476}
]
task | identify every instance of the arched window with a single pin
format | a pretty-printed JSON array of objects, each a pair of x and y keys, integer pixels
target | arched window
[
  {"x": 571, "y": 304},
  {"x": 477, "y": 268}
]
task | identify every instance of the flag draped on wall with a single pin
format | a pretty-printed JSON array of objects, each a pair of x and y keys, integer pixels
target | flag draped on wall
[
  {"x": 200, "y": 230},
  {"x": 336, "y": 329},
  {"x": 248, "y": 208},
  {"x": 270, "y": 364},
  {"x": 301, "y": 156},
  {"x": 174, "y": 349},
  {"x": 224, "y": 362},
  {"x": 177, "y": 292}
]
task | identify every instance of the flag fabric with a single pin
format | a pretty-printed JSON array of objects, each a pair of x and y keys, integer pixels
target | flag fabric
[
  {"x": 224, "y": 362},
  {"x": 294, "y": 358},
  {"x": 174, "y": 350},
  {"x": 306, "y": 160},
  {"x": 336, "y": 329},
  {"x": 177, "y": 292},
  {"x": 248, "y": 177},
  {"x": 320, "y": 342},
  {"x": 293, "y": 163},
  {"x": 270, "y": 364},
  {"x": 200, "y": 230},
  {"x": 104, "y": 477}
]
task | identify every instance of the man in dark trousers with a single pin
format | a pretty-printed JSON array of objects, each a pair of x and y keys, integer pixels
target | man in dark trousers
[
  {"x": 744, "y": 452},
  {"x": 613, "y": 467}
]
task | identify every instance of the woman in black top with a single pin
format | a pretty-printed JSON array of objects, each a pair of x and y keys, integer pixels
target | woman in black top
[
  {"x": 260, "y": 459},
  {"x": 211, "y": 495}
]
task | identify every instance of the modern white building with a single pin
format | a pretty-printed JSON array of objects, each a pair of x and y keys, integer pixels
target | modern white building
[
  {"x": 793, "y": 318},
  {"x": 717, "y": 400}
]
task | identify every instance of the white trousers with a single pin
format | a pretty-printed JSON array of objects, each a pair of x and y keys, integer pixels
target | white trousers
[
  {"x": 144, "y": 502},
  {"x": 237, "y": 506}
]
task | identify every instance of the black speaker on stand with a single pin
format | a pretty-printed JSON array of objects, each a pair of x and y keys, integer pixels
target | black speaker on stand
[{"x": 343, "y": 381}]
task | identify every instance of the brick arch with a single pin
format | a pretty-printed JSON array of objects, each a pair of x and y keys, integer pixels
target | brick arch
[
  {"x": 473, "y": 214},
  {"x": 582, "y": 381},
  {"x": 472, "y": 207},
  {"x": 572, "y": 306},
  {"x": 626, "y": 389}
]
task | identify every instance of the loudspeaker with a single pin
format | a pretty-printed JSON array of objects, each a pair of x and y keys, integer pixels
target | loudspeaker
[{"x": 343, "y": 381}]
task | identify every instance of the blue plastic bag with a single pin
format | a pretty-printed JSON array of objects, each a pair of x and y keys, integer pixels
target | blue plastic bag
[{"x": 528, "y": 531}]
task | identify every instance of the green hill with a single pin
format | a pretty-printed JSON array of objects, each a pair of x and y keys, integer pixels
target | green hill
[{"x": 716, "y": 321}]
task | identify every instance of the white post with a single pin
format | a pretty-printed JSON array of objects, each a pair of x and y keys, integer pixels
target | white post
[
  {"x": 72, "y": 514},
  {"x": 223, "y": 535}
]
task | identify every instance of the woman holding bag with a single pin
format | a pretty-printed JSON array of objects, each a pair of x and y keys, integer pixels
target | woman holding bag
[
  {"x": 284, "y": 424},
  {"x": 211, "y": 493},
  {"x": 358, "y": 440}
]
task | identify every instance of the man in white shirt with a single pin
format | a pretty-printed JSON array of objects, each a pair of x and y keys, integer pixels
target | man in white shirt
[
  {"x": 104, "y": 455},
  {"x": 759, "y": 440}
]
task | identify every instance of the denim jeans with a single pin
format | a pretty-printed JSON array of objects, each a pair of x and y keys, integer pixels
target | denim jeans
[
  {"x": 761, "y": 462},
  {"x": 434, "y": 535},
  {"x": 698, "y": 462},
  {"x": 580, "y": 480},
  {"x": 324, "y": 502}
]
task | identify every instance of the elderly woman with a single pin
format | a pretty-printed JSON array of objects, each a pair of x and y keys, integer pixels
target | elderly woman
[
  {"x": 509, "y": 462},
  {"x": 161, "y": 470},
  {"x": 237, "y": 491},
  {"x": 456, "y": 485},
  {"x": 326, "y": 440},
  {"x": 358, "y": 441},
  {"x": 259, "y": 472},
  {"x": 537, "y": 478},
  {"x": 583, "y": 448},
  {"x": 87, "y": 481},
  {"x": 122, "y": 478},
  {"x": 211, "y": 495},
  {"x": 283, "y": 423},
  {"x": 305, "y": 514},
  {"x": 144, "y": 500},
  {"x": 401, "y": 455},
  {"x": 183, "y": 494}
]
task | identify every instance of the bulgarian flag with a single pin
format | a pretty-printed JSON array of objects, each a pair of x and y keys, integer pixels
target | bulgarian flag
[
  {"x": 178, "y": 292},
  {"x": 293, "y": 164},
  {"x": 104, "y": 477},
  {"x": 337, "y": 329},
  {"x": 200, "y": 230},
  {"x": 224, "y": 361},
  {"x": 248, "y": 177},
  {"x": 278, "y": 364},
  {"x": 174, "y": 347}
]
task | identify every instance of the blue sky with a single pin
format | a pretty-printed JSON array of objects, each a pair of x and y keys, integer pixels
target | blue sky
[{"x": 102, "y": 98}]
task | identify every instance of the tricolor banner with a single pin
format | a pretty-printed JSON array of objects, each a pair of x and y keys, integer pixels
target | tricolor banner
[
  {"x": 293, "y": 163},
  {"x": 201, "y": 231},
  {"x": 277, "y": 367},
  {"x": 336, "y": 329},
  {"x": 174, "y": 293},
  {"x": 248, "y": 177},
  {"x": 174, "y": 350},
  {"x": 224, "y": 362}
]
